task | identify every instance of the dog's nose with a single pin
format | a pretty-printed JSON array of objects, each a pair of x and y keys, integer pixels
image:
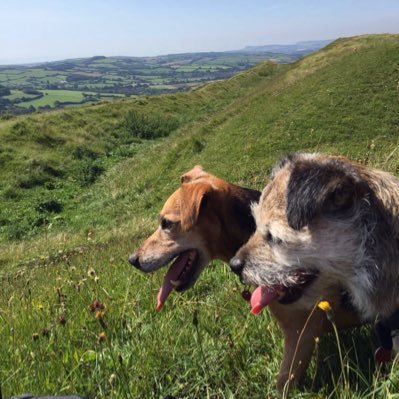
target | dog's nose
[
  {"x": 134, "y": 260},
  {"x": 236, "y": 265}
]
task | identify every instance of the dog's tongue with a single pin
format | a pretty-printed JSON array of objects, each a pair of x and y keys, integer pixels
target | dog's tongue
[
  {"x": 172, "y": 274},
  {"x": 261, "y": 297}
]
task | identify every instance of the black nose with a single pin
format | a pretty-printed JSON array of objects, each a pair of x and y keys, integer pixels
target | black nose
[
  {"x": 236, "y": 265},
  {"x": 134, "y": 260}
]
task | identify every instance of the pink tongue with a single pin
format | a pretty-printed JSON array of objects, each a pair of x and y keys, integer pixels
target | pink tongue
[
  {"x": 172, "y": 274},
  {"x": 261, "y": 297}
]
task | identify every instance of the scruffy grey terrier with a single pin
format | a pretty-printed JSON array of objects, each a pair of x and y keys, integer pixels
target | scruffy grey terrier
[{"x": 325, "y": 222}]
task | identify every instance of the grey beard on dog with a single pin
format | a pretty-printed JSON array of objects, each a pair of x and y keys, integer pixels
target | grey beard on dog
[{"x": 324, "y": 221}]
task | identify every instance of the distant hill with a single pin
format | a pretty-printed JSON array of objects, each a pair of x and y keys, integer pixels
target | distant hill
[
  {"x": 73, "y": 82},
  {"x": 292, "y": 49}
]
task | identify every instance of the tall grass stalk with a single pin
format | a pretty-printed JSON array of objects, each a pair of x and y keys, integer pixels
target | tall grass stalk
[
  {"x": 290, "y": 375},
  {"x": 199, "y": 338},
  {"x": 341, "y": 358}
]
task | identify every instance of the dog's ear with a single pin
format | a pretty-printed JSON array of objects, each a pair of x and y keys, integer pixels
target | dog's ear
[
  {"x": 193, "y": 200},
  {"x": 195, "y": 173},
  {"x": 316, "y": 187}
]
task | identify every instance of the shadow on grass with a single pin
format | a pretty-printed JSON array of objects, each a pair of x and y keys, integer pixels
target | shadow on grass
[{"x": 326, "y": 374}]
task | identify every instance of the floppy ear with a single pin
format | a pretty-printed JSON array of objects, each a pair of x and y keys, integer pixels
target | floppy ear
[
  {"x": 315, "y": 187},
  {"x": 193, "y": 200},
  {"x": 195, "y": 173}
]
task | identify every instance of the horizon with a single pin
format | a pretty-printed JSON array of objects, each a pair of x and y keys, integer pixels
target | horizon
[
  {"x": 166, "y": 54},
  {"x": 46, "y": 31}
]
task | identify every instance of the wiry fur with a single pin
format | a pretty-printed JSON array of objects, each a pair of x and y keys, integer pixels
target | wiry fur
[{"x": 333, "y": 216}]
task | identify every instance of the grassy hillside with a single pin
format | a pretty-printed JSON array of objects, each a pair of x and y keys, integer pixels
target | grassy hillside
[{"x": 81, "y": 188}]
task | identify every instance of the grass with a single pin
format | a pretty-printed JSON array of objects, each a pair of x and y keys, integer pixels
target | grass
[{"x": 205, "y": 343}]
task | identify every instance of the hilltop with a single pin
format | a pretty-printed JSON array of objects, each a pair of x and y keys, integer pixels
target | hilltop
[{"x": 80, "y": 188}]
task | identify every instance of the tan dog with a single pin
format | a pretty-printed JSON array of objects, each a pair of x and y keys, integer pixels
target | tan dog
[{"x": 208, "y": 218}]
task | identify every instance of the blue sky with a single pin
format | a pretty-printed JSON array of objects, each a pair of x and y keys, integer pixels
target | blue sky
[{"x": 41, "y": 30}]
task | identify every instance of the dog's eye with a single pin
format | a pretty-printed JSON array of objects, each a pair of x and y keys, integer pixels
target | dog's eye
[
  {"x": 272, "y": 240},
  {"x": 166, "y": 224}
]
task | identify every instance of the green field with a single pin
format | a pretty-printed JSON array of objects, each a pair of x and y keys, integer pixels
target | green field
[
  {"x": 81, "y": 188},
  {"x": 51, "y": 96},
  {"x": 55, "y": 98},
  {"x": 15, "y": 94}
]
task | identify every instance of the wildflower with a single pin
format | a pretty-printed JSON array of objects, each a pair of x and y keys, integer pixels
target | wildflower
[
  {"x": 99, "y": 314},
  {"x": 91, "y": 272},
  {"x": 326, "y": 307},
  {"x": 100, "y": 317},
  {"x": 96, "y": 305},
  {"x": 96, "y": 279},
  {"x": 102, "y": 336},
  {"x": 40, "y": 306}
]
